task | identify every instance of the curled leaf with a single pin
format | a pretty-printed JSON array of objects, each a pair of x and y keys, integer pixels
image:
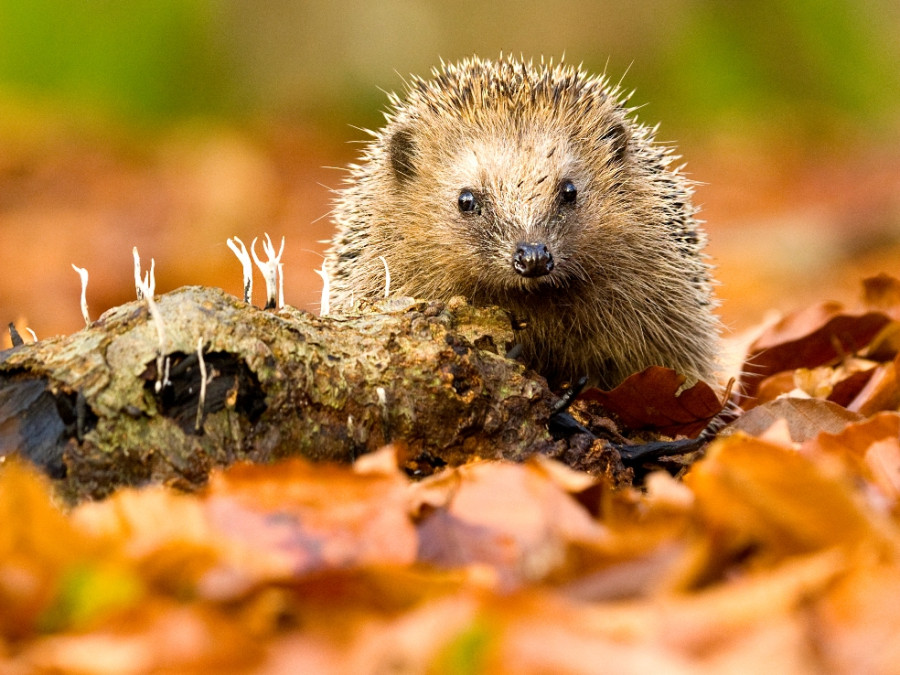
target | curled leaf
[{"x": 816, "y": 336}]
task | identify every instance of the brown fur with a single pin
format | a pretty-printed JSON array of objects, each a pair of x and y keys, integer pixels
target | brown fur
[{"x": 630, "y": 287}]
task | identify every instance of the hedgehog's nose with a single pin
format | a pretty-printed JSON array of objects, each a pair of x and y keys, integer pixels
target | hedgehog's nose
[{"x": 532, "y": 260}]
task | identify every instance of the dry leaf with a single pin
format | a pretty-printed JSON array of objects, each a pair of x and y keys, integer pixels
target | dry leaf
[
  {"x": 870, "y": 448},
  {"x": 771, "y": 388},
  {"x": 652, "y": 399},
  {"x": 805, "y": 417},
  {"x": 881, "y": 392},
  {"x": 819, "y": 335},
  {"x": 775, "y": 499},
  {"x": 512, "y": 517},
  {"x": 296, "y": 517},
  {"x": 857, "y": 623}
]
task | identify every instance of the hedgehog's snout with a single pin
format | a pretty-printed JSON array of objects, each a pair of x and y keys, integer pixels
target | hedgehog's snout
[{"x": 532, "y": 259}]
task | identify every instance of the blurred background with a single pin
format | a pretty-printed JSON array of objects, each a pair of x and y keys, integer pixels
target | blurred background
[{"x": 173, "y": 124}]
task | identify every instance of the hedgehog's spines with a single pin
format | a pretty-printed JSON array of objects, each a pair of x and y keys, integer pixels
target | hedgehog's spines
[{"x": 630, "y": 283}]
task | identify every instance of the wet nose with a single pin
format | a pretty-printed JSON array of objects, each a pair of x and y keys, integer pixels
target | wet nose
[{"x": 532, "y": 259}]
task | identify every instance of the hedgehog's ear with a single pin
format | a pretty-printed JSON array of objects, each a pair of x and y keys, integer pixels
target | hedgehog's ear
[
  {"x": 401, "y": 152},
  {"x": 617, "y": 140}
]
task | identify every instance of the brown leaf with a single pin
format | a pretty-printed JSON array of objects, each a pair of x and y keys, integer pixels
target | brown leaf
[
  {"x": 845, "y": 390},
  {"x": 38, "y": 548},
  {"x": 839, "y": 384},
  {"x": 857, "y": 623},
  {"x": 167, "y": 534},
  {"x": 772, "y": 387},
  {"x": 295, "y": 517},
  {"x": 443, "y": 636},
  {"x": 883, "y": 460},
  {"x": 881, "y": 392},
  {"x": 736, "y": 627},
  {"x": 870, "y": 448},
  {"x": 816, "y": 336},
  {"x": 886, "y": 345},
  {"x": 805, "y": 417},
  {"x": 163, "y": 637},
  {"x": 513, "y": 517},
  {"x": 651, "y": 400},
  {"x": 776, "y": 499},
  {"x": 856, "y": 438}
]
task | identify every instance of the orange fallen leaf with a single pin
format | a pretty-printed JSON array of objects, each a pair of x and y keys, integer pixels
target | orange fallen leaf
[
  {"x": 805, "y": 417},
  {"x": 39, "y": 550},
  {"x": 857, "y": 622},
  {"x": 512, "y": 517},
  {"x": 161, "y": 637},
  {"x": 881, "y": 391},
  {"x": 296, "y": 517},
  {"x": 839, "y": 384},
  {"x": 816, "y": 336},
  {"x": 651, "y": 400},
  {"x": 777, "y": 500},
  {"x": 771, "y": 388},
  {"x": 870, "y": 448}
]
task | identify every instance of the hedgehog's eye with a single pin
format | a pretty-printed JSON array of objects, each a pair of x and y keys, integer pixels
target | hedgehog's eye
[
  {"x": 568, "y": 192},
  {"x": 467, "y": 202}
]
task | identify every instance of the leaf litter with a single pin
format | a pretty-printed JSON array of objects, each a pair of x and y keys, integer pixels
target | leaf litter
[{"x": 780, "y": 546}]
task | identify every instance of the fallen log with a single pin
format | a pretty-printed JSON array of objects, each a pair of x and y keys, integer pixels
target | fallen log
[{"x": 131, "y": 400}]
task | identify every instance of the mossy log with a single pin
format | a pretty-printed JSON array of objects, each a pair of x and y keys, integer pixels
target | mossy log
[{"x": 99, "y": 409}]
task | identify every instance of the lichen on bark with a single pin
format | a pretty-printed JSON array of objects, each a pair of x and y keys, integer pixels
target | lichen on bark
[{"x": 431, "y": 376}]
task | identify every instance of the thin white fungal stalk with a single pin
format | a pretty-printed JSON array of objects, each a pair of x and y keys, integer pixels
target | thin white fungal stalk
[
  {"x": 202, "y": 403},
  {"x": 32, "y": 333},
  {"x": 387, "y": 277},
  {"x": 137, "y": 272},
  {"x": 269, "y": 268},
  {"x": 156, "y": 316},
  {"x": 280, "y": 285},
  {"x": 83, "y": 273},
  {"x": 165, "y": 381},
  {"x": 324, "y": 307},
  {"x": 149, "y": 277},
  {"x": 246, "y": 266}
]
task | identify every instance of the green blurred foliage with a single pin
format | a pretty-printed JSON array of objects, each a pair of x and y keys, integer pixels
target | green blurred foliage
[
  {"x": 818, "y": 64},
  {"x": 813, "y": 66},
  {"x": 146, "y": 58}
]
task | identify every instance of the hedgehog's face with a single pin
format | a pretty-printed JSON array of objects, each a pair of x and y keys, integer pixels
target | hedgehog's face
[{"x": 519, "y": 206}]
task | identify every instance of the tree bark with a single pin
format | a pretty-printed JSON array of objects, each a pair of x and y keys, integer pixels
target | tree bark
[{"x": 115, "y": 404}]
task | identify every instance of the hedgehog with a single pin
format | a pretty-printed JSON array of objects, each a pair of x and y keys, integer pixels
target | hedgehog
[{"x": 534, "y": 188}]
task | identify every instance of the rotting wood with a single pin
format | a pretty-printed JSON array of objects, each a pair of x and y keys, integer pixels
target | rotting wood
[{"x": 430, "y": 375}]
